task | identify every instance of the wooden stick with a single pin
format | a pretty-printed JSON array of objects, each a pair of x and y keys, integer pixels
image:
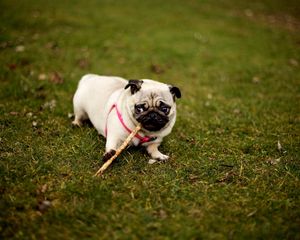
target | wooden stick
[{"x": 119, "y": 150}]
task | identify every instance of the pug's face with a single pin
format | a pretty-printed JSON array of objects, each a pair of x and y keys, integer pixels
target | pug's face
[{"x": 152, "y": 103}]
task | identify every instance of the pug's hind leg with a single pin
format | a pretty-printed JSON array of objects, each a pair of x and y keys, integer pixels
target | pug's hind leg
[
  {"x": 80, "y": 116},
  {"x": 77, "y": 122},
  {"x": 152, "y": 149}
]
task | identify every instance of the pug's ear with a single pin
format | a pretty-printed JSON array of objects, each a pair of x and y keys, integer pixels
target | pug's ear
[
  {"x": 135, "y": 85},
  {"x": 175, "y": 92}
]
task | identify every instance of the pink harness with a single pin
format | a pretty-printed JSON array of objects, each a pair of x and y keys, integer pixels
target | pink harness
[{"x": 142, "y": 139}]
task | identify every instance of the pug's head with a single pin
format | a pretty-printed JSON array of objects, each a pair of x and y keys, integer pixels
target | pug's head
[{"x": 152, "y": 103}]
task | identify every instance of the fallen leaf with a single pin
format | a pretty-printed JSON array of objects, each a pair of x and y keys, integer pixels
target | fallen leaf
[
  {"x": 237, "y": 111},
  {"x": 207, "y": 104},
  {"x": 34, "y": 123},
  {"x": 193, "y": 178},
  {"x": 83, "y": 63},
  {"x": 42, "y": 76},
  {"x": 279, "y": 147},
  {"x": 56, "y": 78},
  {"x": 132, "y": 194},
  {"x": 151, "y": 161},
  {"x": 251, "y": 213},
  {"x": 44, "y": 188},
  {"x": 20, "y": 48},
  {"x": 51, "y": 104},
  {"x": 158, "y": 69},
  {"x": 294, "y": 62},
  {"x": 273, "y": 161},
  {"x": 162, "y": 214},
  {"x": 44, "y": 205},
  {"x": 29, "y": 114},
  {"x": 12, "y": 66},
  {"x": 14, "y": 113},
  {"x": 248, "y": 13},
  {"x": 4, "y": 45},
  {"x": 195, "y": 212},
  {"x": 255, "y": 79},
  {"x": 229, "y": 177},
  {"x": 51, "y": 45}
]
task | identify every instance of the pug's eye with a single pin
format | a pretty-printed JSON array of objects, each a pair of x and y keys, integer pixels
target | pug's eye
[
  {"x": 164, "y": 108},
  {"x": 140, "y": 108}
]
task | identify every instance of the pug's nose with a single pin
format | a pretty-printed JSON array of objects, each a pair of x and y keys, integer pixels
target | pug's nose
[{"x": 153, "y": 115}]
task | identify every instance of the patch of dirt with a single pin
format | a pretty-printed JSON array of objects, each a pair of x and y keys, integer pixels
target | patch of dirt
[{"x": 281, "y": 20}]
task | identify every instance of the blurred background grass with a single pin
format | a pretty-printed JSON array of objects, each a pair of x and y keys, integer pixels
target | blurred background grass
[{"x": 234, "y": 168}]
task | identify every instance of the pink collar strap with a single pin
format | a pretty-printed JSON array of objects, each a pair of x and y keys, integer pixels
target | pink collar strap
[{"x": 142, "y": 139}]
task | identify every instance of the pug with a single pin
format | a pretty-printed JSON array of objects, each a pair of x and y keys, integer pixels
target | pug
[{"x": 115, "y": 106}]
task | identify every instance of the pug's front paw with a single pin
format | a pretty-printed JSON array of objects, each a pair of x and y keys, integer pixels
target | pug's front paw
[
  {"x": 108, "y": 155},
  {"x": 159, "y": 156}
]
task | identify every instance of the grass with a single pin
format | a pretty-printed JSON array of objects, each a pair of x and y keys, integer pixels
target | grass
[{"x": 234, "y": 167}]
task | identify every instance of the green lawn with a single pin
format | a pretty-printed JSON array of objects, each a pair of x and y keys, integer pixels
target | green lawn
[{"x": 234, "y": 167}]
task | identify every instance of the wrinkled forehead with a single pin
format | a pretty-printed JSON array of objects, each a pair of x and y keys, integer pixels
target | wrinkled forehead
[{"x": 155, "y": 94}]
